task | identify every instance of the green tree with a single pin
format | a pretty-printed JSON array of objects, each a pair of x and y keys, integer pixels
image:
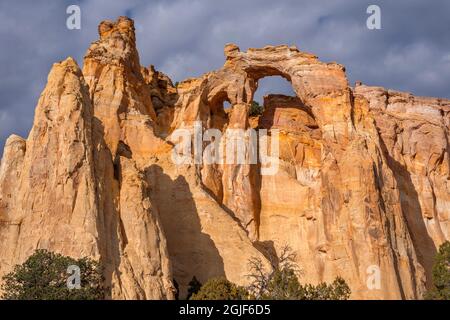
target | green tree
[
  {"x": 338, "y": 290},
  {"x": 281, "y": 282},
  {"x": 255, "y": 109},
  {"x": 220, "y": 289},
  {"x": 194, "y": 287},
  {"x": 44, "y": 276},
  {"x": 282, "y": 285},
  {"x": 441, "y": 274}
]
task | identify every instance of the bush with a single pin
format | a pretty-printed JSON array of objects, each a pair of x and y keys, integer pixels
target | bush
[
  {"x": 43, "y": 276},
  {"x": 255, "y": 109},
  {"x": 441, "y": 274},
  {"x": 194, "y": 287},
  {"x": 338, "y": 290},
  {"x": 220, "y": 289},
  {"x": 281, "y": 283}
]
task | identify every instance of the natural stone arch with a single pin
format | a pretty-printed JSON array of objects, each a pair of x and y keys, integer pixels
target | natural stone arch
[{"x": 323, "y": 87}]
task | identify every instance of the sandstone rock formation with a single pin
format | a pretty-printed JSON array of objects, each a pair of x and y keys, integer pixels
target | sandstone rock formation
[
  {"x": 363, "y": 178},
  {"x": 414, "y": 135},
  {"x": 75, "y": 191}
]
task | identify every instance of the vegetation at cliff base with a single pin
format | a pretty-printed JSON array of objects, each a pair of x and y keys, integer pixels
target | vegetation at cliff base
[
  {"x": 281, "y": 282},
  {"x": 44, "y": 276},
  {"x": 441, "y": 274},
  {"x": 194, "y": 287},
  {"x": 220, "y": 289}
]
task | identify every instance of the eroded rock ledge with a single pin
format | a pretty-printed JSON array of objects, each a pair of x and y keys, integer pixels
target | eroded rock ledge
[{"x": 363, "y": 178}]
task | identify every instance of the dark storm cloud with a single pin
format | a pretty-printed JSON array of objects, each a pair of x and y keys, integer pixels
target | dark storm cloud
[{"x": 185, "y": 38}]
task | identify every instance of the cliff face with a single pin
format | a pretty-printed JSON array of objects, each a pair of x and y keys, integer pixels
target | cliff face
[{"x": 363, "y": 176}]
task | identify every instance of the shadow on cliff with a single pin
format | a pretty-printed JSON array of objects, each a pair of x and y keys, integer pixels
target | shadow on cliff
[
  {"x": 267, "y": 121},
  {"x": 192, "y": 252},
  {"x": 255, "y": 178},
  {"x": 409, "y": 201},
  {"x": 107, "y": 193}
]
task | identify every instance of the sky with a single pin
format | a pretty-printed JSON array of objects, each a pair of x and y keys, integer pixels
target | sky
[{"x": 185, "y": 38}]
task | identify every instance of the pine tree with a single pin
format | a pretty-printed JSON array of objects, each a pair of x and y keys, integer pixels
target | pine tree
[
  {"x": 441, "y": 274},
  {"x": 43, "y": 276},
  {"x": 220, "y": 289}
]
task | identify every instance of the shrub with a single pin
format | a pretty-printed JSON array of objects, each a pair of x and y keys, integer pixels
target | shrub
[
  {"x": 441, "y": 274},
  {"x": 220, "y": 289},
  {"x": 255, "y": 109},
  {"x": 281, "y": 282},
  {"x": 338, "y": 290},
  {"x": 43, "y": 276},
  {"x": 194, "y": 287}
]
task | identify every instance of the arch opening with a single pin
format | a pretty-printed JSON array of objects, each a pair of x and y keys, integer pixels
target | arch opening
[
  {"x": 219, "y": 106},
  {"x": 270, "y": 85},
  {"x": 281, "y": 108}
]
